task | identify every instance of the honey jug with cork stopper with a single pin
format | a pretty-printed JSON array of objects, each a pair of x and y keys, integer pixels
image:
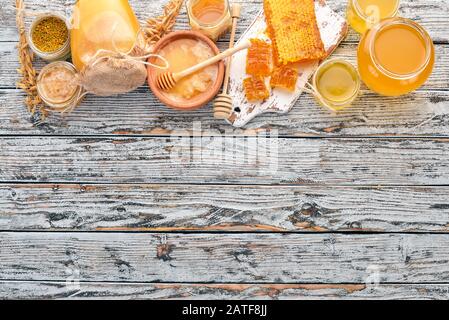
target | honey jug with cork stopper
[
  {"x": 102, "y": 25},
  {"x": 108, "y": 49}
]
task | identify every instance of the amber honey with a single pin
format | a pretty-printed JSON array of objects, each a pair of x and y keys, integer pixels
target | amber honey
[
  {"x": 364, "y": 14},
  {"x": 182, "y": 54},
  {"x": 208, "y": 11},
  {"x": 211, "y": 17},
  {"x": 102, "y": 24},
  {"x": 396, "y": 57},
  {"x": 259, "y": 58},
  {"x": 336, "y": 84}
]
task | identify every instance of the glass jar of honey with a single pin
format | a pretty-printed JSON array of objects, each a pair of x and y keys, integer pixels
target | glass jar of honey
[
  {"x": 364, "y": 14},
  {"x": 396, "y": 57},
  {"x": 336, "y": 84},
  {"x": 210, "y": 17}
]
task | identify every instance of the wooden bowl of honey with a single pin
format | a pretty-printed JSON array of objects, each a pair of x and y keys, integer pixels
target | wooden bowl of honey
[{"x": 184, "y": 49}]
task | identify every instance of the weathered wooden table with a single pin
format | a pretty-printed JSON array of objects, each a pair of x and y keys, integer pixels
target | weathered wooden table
[{"x": 108, "y": 202}]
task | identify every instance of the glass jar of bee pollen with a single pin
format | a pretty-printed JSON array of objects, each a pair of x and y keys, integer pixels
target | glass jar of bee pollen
[{"x": 49, "y": 37}]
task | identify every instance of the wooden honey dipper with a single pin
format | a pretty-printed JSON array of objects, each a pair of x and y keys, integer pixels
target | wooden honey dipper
[
  {"x": 168, "y": 80},
  {"x": 223, "y": 102}
]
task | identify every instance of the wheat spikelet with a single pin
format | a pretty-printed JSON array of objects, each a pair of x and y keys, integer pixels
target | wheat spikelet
[
  {"x": 28, "y": 74},
  {"x": 157, "y": 27}
]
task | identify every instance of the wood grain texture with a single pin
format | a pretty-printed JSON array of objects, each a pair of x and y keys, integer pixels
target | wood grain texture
[
  {"x": 100, "y": 291},
  {"x": 225, "y": 258},
  {"x": 418, "y": 114},
  {"x": 242, "y": 161},
  {"x": 159, "y": 208}
]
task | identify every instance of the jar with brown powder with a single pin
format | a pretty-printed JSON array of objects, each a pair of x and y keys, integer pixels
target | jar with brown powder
[{"x": 58, "y": 87}]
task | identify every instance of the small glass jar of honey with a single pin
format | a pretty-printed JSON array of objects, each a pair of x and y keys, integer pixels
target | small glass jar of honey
[
  {"x": 396, "y": 57},
  {"x": 336, "y": 84},
  {"x": 364, "y": 14},
  {"x": 210, "y": 17}
]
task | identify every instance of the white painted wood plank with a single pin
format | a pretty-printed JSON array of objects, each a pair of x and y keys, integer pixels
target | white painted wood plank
[
  {"x": 224, "y": 258},
  {"x": 103, "y": 291},
  {"x": 243, "y": 160},
  {"x": 418, "y": 114},
  {"x": 159, "y": 208}
]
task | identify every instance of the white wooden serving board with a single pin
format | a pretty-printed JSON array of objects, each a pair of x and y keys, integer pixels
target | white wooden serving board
[{"x": 333, "y": 29}]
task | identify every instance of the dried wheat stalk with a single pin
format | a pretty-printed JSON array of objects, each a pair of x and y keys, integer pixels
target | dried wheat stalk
[
  {"x": 28, "y": 74},
  {"x": 157, "y": 27}
]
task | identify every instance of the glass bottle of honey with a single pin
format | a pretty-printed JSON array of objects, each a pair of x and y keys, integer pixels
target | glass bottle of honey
[
  {"x": 102, "y": 24},
  {"x": 210, "y": 17},
  {"x": 364, "y": 14},
  {"x": 396, "y": 57}
]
